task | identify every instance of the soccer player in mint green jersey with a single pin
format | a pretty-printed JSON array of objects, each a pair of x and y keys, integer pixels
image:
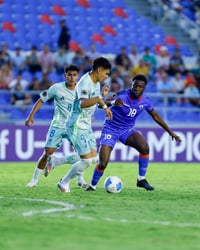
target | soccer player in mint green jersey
[
  {"x": 89, "y": 94},
  {"x": 63, "y": 94}
]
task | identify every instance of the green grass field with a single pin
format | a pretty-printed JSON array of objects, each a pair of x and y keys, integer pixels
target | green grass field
[{"x": 44, "y": 218}]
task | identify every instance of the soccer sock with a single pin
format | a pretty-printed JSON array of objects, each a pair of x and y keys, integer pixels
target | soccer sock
[
  {"x": 36, "y": 174},
  {"x": 70, "y": 159},
  {"x": 143, "y": 164},
  {"x": 96, "y": 175},
  {"x": 77, "y": 169}
]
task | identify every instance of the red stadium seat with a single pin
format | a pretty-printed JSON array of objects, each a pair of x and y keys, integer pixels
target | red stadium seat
[
  {"x": 120, "y": 12},
  {"x": 83, "y": 3},
  {"x": 98, "y": 38},
  {"x": 57, "y": 9},
  {"x": 110, "y": 30},
  {"x": 8, "y": 26},
  {"x": 74, "y": 46},
  {"x": 46, "y": 19}
]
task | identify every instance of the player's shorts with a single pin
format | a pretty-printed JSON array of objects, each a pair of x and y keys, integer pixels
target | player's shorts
[
  {"x": 83, "y": 140},
  {"x": 109, "y": 136},
  {"x": 55, "y": 136}
]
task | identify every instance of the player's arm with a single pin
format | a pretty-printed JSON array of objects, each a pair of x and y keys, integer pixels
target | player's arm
[
  {"x": 157, "y": 118},
  {"x": 30, "y": 119}
]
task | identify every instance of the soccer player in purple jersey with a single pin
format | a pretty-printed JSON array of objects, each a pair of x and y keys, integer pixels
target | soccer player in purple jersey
[{"x": 126, "y": 107}]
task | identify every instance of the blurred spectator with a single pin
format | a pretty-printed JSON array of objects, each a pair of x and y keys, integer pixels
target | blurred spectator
[
  {"x": 189, "y": 79},
  {"x": 45, "y": 82},
  {"x": 6, "y": 76},
  {"x": 122, "y": 61},
  {"x": 81, "y": 60},
  {"x": 165, "y": 84},
  {"x": 176, "y": 5},
  {"x": 127, "y": 81},
  {"x": 196, "y": 72},
  {"x": 46, "y": 59},
  {"x": 92, "y": 53},
  {"x": 32, "y": 61},
  {"x": 150, "y": 59},
  {"x": 176, "y": 63},
  {"x": 18, "y": 79},
  {"x": 178, "y": 83},
  {"x": 115, "y": 78},
  {"x": 134, "y": 56},
  {"x": 18, "y": 60},
  {"x": 60, "y": 60},
  {"x": 163, "y": 58},
  {"x": 141, "y": 68},
  {"x": 35, "y": 86},
  {"x": 18, "y": 96},
  {"x": 192, "y": 95},
  {"x": 6, "y": 53},
  {"x": 2, "y": 60},
  {"x": 156, "y": 10},
  {"x": 64, "y": 36}
]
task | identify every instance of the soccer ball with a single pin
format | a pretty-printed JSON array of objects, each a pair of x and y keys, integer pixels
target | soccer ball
[{"x": 113, "y": 184}]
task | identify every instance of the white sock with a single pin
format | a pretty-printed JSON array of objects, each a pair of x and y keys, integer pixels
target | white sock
[
  {"x": 77, "y": 169},
  {"x": 36, "y": 174},
  {"x": 141, "y": 177},
  {"x": 70, "y": 159}
]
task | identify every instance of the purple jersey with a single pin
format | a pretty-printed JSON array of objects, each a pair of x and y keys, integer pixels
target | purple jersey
[{"x": 124, "y": 117}]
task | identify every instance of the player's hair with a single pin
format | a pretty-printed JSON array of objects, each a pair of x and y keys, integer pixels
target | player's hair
[
  {"x": 140, "y": 78},
  {"x": 101, "y": 62},
  {"x": 71, "y": 67}
]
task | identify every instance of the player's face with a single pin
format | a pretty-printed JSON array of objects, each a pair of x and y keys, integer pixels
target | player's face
[
  {"x": 102, "y": 74},
  {"x": 71, "y": 77},
  {"x": 138, "y": 88}
]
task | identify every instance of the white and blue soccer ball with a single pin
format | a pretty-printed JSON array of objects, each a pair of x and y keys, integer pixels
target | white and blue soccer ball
[{"x": 113, "y": 184}]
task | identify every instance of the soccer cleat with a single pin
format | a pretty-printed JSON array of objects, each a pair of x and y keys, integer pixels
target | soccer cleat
[
  {"x": 90, "y": 188},
  {"x": 49, "y": 166},
  {"x": 144, "y": 184},
  {"x": 64, "y": 189},
  {"x": 82, "y": 183},
  {"x": 32, "y": 184}
]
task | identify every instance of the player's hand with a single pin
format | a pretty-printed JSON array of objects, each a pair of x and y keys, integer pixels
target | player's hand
[
  {"x": 105, "y": 90},
  {"x": 119, "y": 102},
  {"x": 29, "y": 122},
  {"x": 175, "y": 137},
  {"x": 108, "y": 113}
]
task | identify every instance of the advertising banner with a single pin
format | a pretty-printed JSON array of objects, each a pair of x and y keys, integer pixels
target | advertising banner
[{"x": 19, "y": 143}]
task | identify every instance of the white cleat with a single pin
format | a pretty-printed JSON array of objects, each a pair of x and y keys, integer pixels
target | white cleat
[
  {"x": 82, "y": 183},
  {"x": 32, "y": 184},
  {"x": 49, "y": 166},
  {"x": 63, "y": 188}
]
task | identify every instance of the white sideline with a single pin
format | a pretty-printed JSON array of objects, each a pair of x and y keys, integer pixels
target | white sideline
[{"x": 66, "y": 207}]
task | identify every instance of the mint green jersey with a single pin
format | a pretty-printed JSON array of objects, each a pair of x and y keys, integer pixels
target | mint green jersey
[
  {"x": 63, "y": 103},
  {"x": 81, "y": 118}
]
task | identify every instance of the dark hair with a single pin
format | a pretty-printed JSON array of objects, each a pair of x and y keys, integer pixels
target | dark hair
[
  {"x": 140, "y": 78},
  {"x": 71, "y": 67},
  {"x": 101, "y": 62}
]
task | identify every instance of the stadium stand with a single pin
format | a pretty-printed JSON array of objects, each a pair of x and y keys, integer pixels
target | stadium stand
[{"x": 109, "y": 24}]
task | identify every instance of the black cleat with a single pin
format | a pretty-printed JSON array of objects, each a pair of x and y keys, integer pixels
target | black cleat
[
  {"x": 90, "y": 188},
  {"x": 144, "y": 184}
]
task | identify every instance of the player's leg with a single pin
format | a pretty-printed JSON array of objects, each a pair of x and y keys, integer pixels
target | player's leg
[
  {"x": 104, "y": 157},
  {"x": 107, "y": 142},
  {"x": 83, "y": 143},
  {"x": 137, "y": 141},
  {"x": 40, "y": 166},
  {"x": 53, "y": 141}
]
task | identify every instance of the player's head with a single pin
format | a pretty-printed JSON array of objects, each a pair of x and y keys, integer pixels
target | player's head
[
  {"x": 138, "y": 86},
  {"x": 101, "y": 67},
  {"x": 71, "y": 73}
]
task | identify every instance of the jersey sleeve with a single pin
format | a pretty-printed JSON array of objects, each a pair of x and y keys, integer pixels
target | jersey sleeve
[
  {"x": 83, "y": 90},
  {"x": 149, "y": 107},
  {"x": 48, "y": 93}
]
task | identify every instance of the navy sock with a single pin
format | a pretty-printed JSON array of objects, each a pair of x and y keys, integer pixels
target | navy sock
[
  {"x": 143, "y": 164},
  {"x": 96, "y": 175}
]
